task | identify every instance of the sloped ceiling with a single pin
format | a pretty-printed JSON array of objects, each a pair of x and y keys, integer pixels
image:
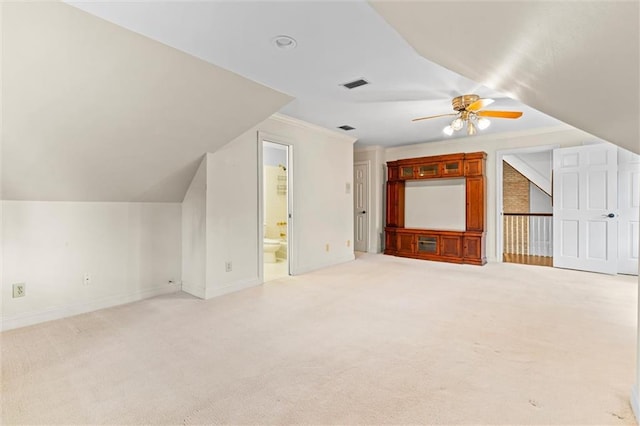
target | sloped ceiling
[
  {"x": 574, "y": 60},
  {"x": 94, "y": 112},
  {"x": 338, "y": 42}
]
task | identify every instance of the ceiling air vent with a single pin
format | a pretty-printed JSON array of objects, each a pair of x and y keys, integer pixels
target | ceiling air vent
[
  {"x": 347, "y": 128},
  {"x": 356, "y": 83}
]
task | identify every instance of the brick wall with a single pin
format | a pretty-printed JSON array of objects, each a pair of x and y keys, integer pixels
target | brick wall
[
  {"x": 515, "y": 199},
  {"x": 515, "y": 190}
]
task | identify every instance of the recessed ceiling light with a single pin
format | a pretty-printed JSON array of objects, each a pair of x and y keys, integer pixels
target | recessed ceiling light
[{"x": 284, "y": 42}]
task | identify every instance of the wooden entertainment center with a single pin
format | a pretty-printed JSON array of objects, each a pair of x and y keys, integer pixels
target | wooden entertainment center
[{"x": 456, "y": 246}]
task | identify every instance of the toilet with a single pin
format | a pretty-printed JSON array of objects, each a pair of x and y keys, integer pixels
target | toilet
[{"x": 270, "y": 248}]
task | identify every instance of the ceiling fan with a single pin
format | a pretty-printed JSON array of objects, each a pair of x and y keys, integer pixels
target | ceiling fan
[{"x": 470, "y": 111}]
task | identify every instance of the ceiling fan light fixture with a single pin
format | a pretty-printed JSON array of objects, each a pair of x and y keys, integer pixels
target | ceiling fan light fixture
[
  {"x": 483, "y": 123},
  {"x": 448, "y": 130},
  {"x": 469, "y": 110},
  {"x": 457, "y": 124},
  {"x": 471, "y": 129}
]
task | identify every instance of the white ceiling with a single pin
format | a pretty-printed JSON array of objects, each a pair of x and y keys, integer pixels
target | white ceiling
[{"x": 337, "y": 42}]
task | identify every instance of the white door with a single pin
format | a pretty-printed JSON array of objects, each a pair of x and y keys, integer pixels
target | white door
[
  {"x": 585, "y": 231},
  {"x": 628, "y": 208},
  {"x": 360, "y": 206}
]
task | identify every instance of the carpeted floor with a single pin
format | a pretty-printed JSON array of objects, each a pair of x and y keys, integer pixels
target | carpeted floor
[{"x": 381, "y": 340}]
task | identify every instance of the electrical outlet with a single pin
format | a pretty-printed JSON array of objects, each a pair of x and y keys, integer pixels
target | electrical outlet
[
  {"x": 87, "y": 279},
  {"x": 348, "y": 243},
  {"x": 228, "y": 266},
  {"x": 326, "y": 248},
  {"x": 19, "y": 290}
]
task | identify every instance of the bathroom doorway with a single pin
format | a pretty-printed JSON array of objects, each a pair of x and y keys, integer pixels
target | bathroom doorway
[{"x": 276, "y": 207}]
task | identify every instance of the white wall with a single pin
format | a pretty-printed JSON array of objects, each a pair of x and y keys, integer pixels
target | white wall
[
  {"x": 490, "y": 144},
  {"x": 435, "y": 204},
  {"x": 321, "y": 166},
  {"x": 539, "y": 201},
  {"x": 194, "y": 234},
  {"x": 130, "y": 250},
  {"x": 232, "y": 217}
]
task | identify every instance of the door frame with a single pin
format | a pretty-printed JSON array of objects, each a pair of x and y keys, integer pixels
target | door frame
[
  {"x": 268, "y": 137},
  {"x": 368, "y": 204},
  {"x": 628, "y": 162},
  {"x": 499, "y": 189}
]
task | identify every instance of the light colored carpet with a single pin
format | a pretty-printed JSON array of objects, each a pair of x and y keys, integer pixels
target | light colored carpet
[{"x": 381, "y": 340}]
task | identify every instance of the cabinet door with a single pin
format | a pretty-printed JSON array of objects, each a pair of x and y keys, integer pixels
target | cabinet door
[
  {"x": 452, "y": 168},
  {"x": 390, "y": 242},
  {"x": 473, "y": 167},
  {"x": 475, "y": 204},
  {"x": 428, "y": 171},
  {"x": 392, "y": 204},
  {"x": 392, "y": 173},
  {"x": 472, "y": 251},
  {"x": 450, "y": 246},
  {"x": 405, "y": 243},
  {"x": 395, "y": 204},
  {"x": 427, "y": 244},
  {"x": 406, "y": 172}
]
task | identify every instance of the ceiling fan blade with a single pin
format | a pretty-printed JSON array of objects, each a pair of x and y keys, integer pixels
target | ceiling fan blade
[
  {"x": 479, "y": 104},
  {"x": 433, "y": 116},
  {"x": 500, "y": 114}
]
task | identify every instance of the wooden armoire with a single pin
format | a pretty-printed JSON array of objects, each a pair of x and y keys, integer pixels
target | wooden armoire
[{"x": 466, "y": 246}]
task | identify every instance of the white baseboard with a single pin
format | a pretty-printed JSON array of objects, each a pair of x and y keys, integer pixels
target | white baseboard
[
  {"x": 198, "y": 292},
  {"x": 336, "y": 261},
  {"x": 31, "y": 318},
  {"x": 232, "y": 287},
  {"x": 634, "y": 403}
]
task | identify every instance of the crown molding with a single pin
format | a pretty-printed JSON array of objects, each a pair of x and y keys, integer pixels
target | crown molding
[
  {"x": 368, "y": 148},
  {"x": 309, "y": 126},
  {"x": 498, "y": 136}
]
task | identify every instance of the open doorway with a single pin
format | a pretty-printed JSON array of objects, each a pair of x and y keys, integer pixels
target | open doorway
[
  {"x": 276, "y": 202},
  {"x": 525, "y": 219}
]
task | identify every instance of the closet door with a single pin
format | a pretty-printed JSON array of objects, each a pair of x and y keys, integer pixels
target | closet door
[{"x": 585, "y": 220}]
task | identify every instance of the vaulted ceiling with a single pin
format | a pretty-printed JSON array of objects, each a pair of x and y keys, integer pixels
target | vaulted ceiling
[
  {"x": 337, "y": 42},
  {"x": 577, "y": 61}
]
